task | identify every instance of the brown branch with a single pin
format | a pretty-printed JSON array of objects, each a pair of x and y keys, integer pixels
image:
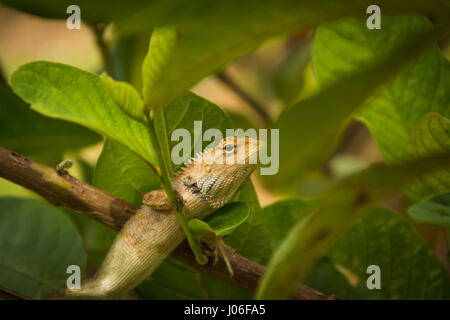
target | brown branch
[{"x": 61, "y": 189}]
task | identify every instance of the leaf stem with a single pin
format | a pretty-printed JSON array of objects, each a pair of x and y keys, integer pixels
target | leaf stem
[{"x": 172, "y": 195}]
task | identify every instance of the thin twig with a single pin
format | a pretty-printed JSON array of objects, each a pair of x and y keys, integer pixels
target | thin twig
[
  {"x": 255, "y": 105},
  {"x": 61, "y": 189}
]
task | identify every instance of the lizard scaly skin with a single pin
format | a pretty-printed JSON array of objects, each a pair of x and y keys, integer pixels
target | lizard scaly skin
[{"x": 153, "y": 232}]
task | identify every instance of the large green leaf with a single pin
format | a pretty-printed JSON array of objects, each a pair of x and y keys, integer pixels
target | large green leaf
[
  {"x": 310, "y": 130},
  {"x": 92, "y": 11},
  {"x": 182, "y": 113},
  {"x": 282, "y": 215},
  {"x": 36, "y": 136},
  {"x": 123, "y": 174},
  {"x": 409, "y": 270},
  {"x": 392, "y": 114},
  {"x": 37, "y": 244},
  {"x": 342, "y": 204},
  {"x": 212, "y": 34},
  {"x": 279, "y": 218},
  {"x": 432, "y": 135},
  {"x": 435, "y": 210},
  {"x": 64, "y": 92}
]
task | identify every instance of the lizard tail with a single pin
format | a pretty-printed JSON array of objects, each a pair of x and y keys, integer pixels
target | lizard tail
[{"x": 147, "y": 238}]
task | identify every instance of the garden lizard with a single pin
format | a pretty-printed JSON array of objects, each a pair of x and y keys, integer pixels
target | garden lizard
[{"x": 153, "y": 232}]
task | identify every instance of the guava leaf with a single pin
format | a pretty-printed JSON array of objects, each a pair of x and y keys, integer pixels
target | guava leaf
[
  {"x": 280, "y": 216},
  {"x": 61, "y": 91},
  {"x": 409, "y": 269},
  {"x": 431, "y": 136},
  {"x": 38, "y": 243},
  {"x": 222, "y": 222},
  {"x": 346, "y": 201},
  {"x": 309, "y": 130},
  {"x": 392, "y": 114},
  {"x": 181, "y": 113},
  {"x": 123, "y": 174},
  {"x": 210, "y": 35},
  {"x": 434, "y": 210},
  {"x": 125, "y": 96}
]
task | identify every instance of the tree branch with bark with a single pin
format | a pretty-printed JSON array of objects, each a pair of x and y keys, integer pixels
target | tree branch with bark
[{"x": 61, "y": 189}]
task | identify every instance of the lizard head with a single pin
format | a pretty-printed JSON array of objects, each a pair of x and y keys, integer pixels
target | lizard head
[{"x": 218, "y": 173}]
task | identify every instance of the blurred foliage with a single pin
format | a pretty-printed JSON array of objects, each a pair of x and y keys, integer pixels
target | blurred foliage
[
  {"x": 30, "y": 230},
  {"x": 42, "y": 139},
  {"x": 395, "y": 80},
  {"x": 435, "y": 210},
  {"x": 393, "y": 113}
]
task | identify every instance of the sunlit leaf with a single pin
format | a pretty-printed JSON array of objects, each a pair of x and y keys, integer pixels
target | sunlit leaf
[
  {"x": 64, "y": 92},
  {"x": 125, "y": 96}
]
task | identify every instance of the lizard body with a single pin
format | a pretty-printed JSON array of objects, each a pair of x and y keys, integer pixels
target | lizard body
[{"x": 153, "y": 232}]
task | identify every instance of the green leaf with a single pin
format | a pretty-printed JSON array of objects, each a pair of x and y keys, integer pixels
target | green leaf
[
  {"x": 64, "y": 92},
  {"x": 431, "y": 136},
  {"x": 123, "y": 174},
  {"x": 342, "y": 204},
  {"x": 434, "y": 210},
  {"x": 326, "y": 278},
  {"x": 222, "y": 222},
  {"x": 207, "y": 41},
  {"x": 288, "y": 77},
  {"x": 125, "y": 96},
  {"x": 174, "y": 280},
  {"x": 127, "y": 58},
  {"x": 161, "y": 47},
  {"x": 38, "y": 244},
  {"x": 182, "y": 113},
  {"x": 36, "y": 136},
  {"x": 314, "y": 125},
  {"x": 394, "y": 111},
  {"x": 280, "y": 216},
  {"x": 409, "y": 270},
  {"x": 92, "y": 11}
]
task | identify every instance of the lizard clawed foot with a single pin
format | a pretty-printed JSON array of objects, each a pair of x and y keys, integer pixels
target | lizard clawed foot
[{"x": 219, "y": 249}]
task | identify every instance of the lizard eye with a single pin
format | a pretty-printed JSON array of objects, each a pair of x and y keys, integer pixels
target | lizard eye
[{"x": 229, "y": 148}]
